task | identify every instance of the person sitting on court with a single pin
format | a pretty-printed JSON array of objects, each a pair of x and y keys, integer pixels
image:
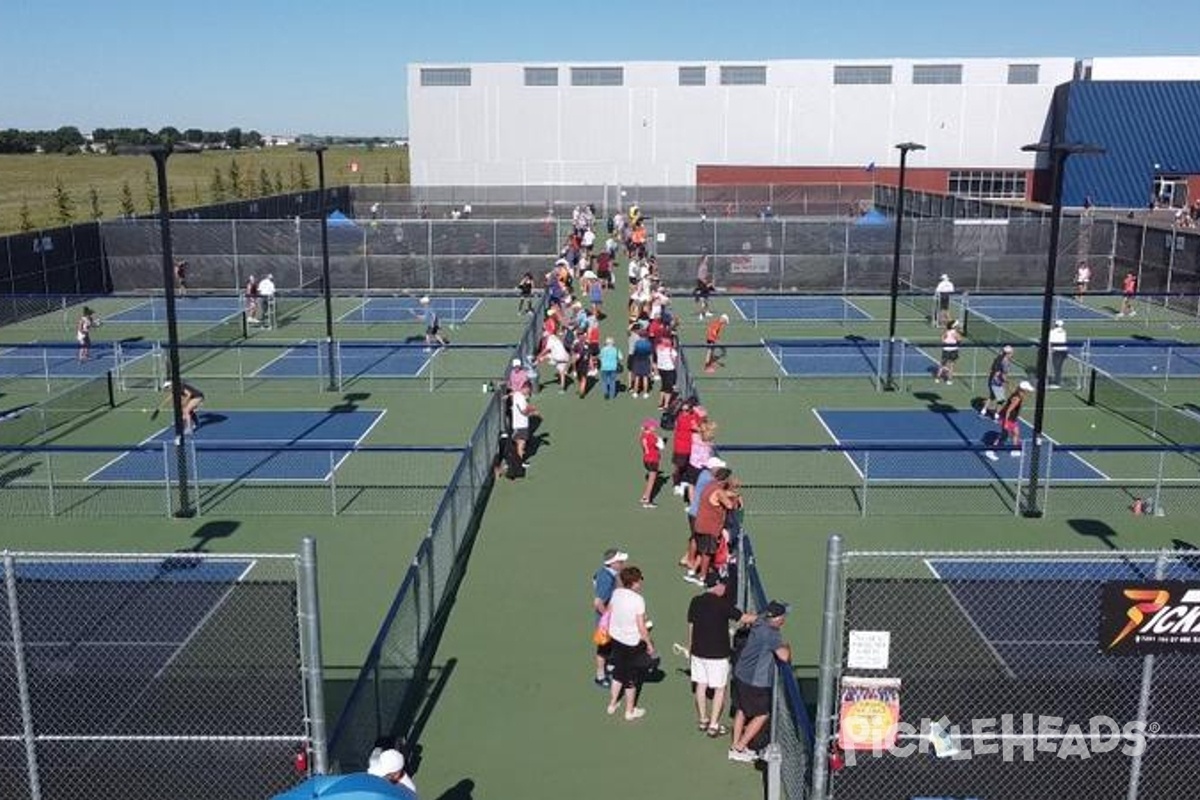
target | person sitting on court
[
  {"x": 83, "y": 333},
  {"x": 190, "y": 400},
  {"x": 1010, "y": 422}
]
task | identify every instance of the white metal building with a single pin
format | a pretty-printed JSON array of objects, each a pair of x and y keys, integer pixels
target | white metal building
[{"x": 653, "y": 123}]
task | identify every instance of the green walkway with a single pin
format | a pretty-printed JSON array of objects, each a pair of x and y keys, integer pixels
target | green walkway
[{"x": 519, "y": 716}]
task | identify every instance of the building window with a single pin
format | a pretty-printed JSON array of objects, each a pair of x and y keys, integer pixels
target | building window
[
  {"x": 743, "y": 76},
  {"x": 987, "y": 183},
  {"x": 541, "y": 76},
  {"x": 860, "y": 75},
  {"x": 936, "y": 73},
  {"x": 1022, "y": 73},
  {"x": 597, "y": 76},
  {"x": 438, "y": 76},
  {"x": 692, "y": 76}
]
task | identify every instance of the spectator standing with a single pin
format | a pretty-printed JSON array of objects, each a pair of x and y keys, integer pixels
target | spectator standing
[
  {"x": 610, "y": 362},
  {"x": 708, "y": 617},
  {"x": 266, "y": 296},
  {"x": 389, "y": 765},
  {"x": 640, "y": 367},
  {"x": 1009, "y": 415},
  {"x": 651, "y": 444},
  {"x": 181, "y": 276},
  {"x": 717, "y": 499},
  {"x": 690, "y": 560},
  {"x": 522, "y": 410},
  {"x": 666, "y": 359},
  {"x": 997, "y": 382},
  {"x": 525, "y": 294},
  {"x": 754, "y": 675},
  {"x": 554, "y": 351},
  {"x": 1128, "y": 290},
  {"x": 941, "y": 299},
  {"x": 604, "y": 583},
  {"x": 1058, "y": 352},
  {"x": 681, "y": 444},
  {"x": 632, "y": 647}
]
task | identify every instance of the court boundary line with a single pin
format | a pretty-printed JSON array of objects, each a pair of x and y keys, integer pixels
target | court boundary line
[
  {"x": 832, "y": 435},
  {"x": 151, "y": 302},
  {"x": 250, "y": 564},
  {"x": 987, "y": 643},
  {"x": 338, "y": 465},
  {"x": 1031, "y": 300},
  {"x": 778, "y": 361},
  {"x": 429, "y": 357},
  {"x": 865, "y": 316},
  {"x": 737, "y": 306},
  {"x": 288, "y": 350}
]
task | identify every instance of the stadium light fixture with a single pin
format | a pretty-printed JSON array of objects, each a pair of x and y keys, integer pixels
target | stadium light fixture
[
  {"x": 1058, "y": 152},
  {"x": 160, "y": 153},
  {"x": 905, "y": 148},
  {"x": 319, "y": 148}
]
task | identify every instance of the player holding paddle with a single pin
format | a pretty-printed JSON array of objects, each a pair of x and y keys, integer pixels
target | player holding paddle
[{"x": 190, "y": 400}]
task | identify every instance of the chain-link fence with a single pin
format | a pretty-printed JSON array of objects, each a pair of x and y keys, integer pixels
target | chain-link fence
[
  {"x": 1039, "y": 675},
  {"x": 147, "y": 676},
  {"x": 392, "y": 673}
]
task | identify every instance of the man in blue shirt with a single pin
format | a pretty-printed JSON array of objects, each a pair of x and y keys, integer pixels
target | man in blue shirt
[
  {"x": 753, "y": 677},
  {"x": 610, "y": 362},
  {"x": 604, "y": 582}
]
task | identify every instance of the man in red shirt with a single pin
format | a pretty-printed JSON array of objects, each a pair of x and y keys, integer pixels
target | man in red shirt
[{"x": 681, "y": 444}]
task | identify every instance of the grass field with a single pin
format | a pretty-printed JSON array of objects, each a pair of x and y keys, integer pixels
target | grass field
[{"x": 28, "y": 181}]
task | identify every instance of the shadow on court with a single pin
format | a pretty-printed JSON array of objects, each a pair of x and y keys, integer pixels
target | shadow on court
[
  {"x": 349, "y": 402},
  {"x": 935, "y": 403},
  {"x": 209, "y": 532},
  {"x": 1095, "y": 529}
]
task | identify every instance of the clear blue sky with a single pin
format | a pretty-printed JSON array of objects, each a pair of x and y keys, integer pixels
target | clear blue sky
[{"x": 338, "y": 66}]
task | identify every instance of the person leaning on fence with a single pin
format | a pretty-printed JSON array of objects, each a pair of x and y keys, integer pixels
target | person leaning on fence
[
  {"x": 1058, "y": 353},
  {"x": 753, "y": 677},
  {"x": 708, "y": 618},
  {"x": 718, "y": 498},
  {"x": 941, "y": 295},
  {"x": 604, "y": 583},
  {"x": 1009, "y": 415}
]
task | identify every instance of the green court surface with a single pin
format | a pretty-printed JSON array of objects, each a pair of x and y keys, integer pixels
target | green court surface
[{"x": 512, "y": 711}]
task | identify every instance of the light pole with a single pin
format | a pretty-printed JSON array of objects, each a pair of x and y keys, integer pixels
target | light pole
[
  {"x": 160, "y": 154},
  {"x": 1059, "y": 152},
  {"x": 904, "y": 148},
  {"x": 319, "y": 149}
]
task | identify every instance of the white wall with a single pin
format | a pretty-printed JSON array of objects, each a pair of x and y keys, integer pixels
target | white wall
[
  {"x": 1150, "y": 68},
  {"x": 654, "y": 132}
]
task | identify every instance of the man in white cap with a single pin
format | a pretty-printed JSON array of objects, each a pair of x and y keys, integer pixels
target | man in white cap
[
  {"x": 604, "y": 582},
  {"x": 997, "y": 382},
  {"x": 1010, "y": 422},
  {"x": 1058, "y": 352},
  {"x": 941, "y": 296},
  {"x": 389, "y": 765}
]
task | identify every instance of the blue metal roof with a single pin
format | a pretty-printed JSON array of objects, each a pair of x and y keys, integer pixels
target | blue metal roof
[{"x": 1140, "y": 124}]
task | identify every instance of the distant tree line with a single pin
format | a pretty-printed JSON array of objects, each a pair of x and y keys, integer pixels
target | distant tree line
[{"x": 69, "y": 139}]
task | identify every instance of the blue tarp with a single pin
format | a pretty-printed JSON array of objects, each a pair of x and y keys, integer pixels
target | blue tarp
[
  {"x": 339, "y": 220},
  {"x": 872, "y": 217}
]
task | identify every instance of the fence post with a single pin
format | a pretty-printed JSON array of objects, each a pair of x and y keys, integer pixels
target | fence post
[
  {"x": 772, "y": 754},
  {"x": 310, "y": 625},
  {"x": 831, "y": 637},
  {"x": 1135, "y": 766},
  {"x": 14, "y": 618}
]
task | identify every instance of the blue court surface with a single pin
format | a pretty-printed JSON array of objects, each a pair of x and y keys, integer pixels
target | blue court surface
[
  {"x": 965, "y": 428},
  {"x": 187, "y": 309},
  {"x": 354, "y": 360},
  {"x": 62, "y": 360},
  {"x": 1141, "y": 358},
  {"x": 838, "y": 357},
  {"x": 263, "y": 439},
  {"x": 776, "y": 309},
  {"x": 1055, "y": 606},
  {"x": 1028, "y": 307},
  {"x": 451, "y": 310}
]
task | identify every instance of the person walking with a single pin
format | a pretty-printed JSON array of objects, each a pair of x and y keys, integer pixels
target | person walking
[
  {"x": 1009, "y": 415},
  {"x": 1058, "y": 353},
  {"x": 712, "y": 338},
  {"x": 604, "y": 583},
  {"x": 754, "y": 676},
  {"x": 997, "y": 381},
  {"x": 1128, "y": 290},
  {"x": 632, "y": 647},
  {"x": 708, "y": 618},
  {"x": 951, "y": 338}
]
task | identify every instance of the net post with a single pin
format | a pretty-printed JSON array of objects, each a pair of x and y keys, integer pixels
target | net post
[
  {"x": 1144, "y": 694},
  {"x": 1091, "y": 386},
  {"x": 112, "y": 401},
  {"x": 310, "y": 625},
  {"x": 831, "y": 634}
]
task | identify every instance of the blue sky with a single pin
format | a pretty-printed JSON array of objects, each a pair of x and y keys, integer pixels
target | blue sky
[{"x": 338, "y": 66}]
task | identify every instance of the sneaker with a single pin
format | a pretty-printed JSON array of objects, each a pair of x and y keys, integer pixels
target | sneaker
[
  {"x": 677, "y": 491},
  {"x": 612, "y": 709},
  {"x": 1133, "y": 313},
  {"x": 744, "y": 756},
  {"x": 648, "y": 504},
  {"x": 991, "y": 455},
  {"x": 637, "y": 713},
  {"x": 949, "y": 382},
  {"x": 693, "y": 579},
  {"x": 983, "y": 413},
  {"x": 602, "y": 683},
  {"x": 1015, "y": 453},
  {"x": 1055, "y": 386}
]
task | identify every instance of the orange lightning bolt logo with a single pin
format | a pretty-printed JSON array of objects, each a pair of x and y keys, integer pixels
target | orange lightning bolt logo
[{"x": 1145, "y": 601}]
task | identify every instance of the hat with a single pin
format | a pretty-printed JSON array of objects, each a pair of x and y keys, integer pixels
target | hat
[
  {"x": 1025, "y": 386},
  {"x": 775, "y": 609},
  {"x": 516, "y": 362},
  {"x": 944, "y": 277},
  {"x": 1058, "y": 323},
  {"x": 425, "y": 300},
  {"x": 166, "y": 385},
  {"x": 1008, "y": 348},
  {"x": 724, "y": 318},
  {"x": 649, "y": 422},
  {"x": 613, "y": 555},
  {"x": 700, "y": 411},
  {"x": 389, "y": 761},
  {"x": 562, "y": 262},
  {"x": 591, "y": 276},
  {"x": 714, "y": 463}
]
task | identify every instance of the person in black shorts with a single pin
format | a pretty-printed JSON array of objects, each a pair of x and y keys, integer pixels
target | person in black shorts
[
  {"x": 181, "y": 268},
  {"x": 525, "y": 293},
  {"x": 190, "y": 400}
]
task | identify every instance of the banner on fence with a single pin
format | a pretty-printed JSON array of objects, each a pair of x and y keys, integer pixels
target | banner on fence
[
  {"x": 1138, "y": 618},
  {"x": 870, "y": 716}
]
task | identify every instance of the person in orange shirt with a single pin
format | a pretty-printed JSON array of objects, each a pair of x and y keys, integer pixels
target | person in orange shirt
[
  {"x": 1128, "y": 290},
  {"x": 712, "y": 337}
]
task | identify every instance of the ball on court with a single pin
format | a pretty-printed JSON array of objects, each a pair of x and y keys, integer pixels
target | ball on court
[
  {"x": 1154, "y": 367},
  {"x": 1093, "y": 426}
]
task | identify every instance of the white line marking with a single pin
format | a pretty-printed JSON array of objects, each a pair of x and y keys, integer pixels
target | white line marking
[
  {"x": 847, "y": 454},
  {"x": 979, "y": 631}
]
